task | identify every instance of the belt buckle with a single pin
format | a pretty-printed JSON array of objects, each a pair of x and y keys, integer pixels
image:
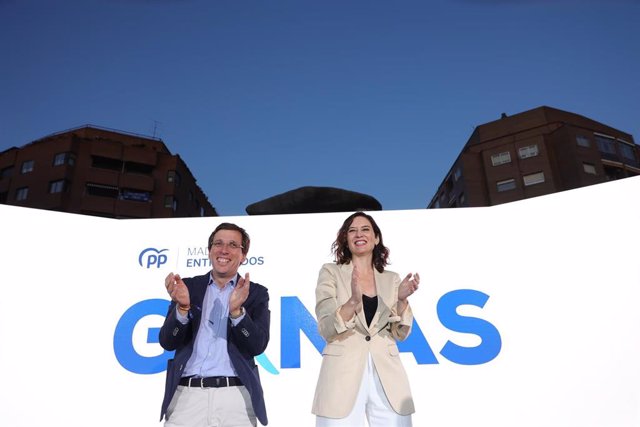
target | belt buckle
[{"x": 202, "y": 383}]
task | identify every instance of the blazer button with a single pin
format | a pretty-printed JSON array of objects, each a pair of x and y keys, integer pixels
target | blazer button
[{"x": 367, "y": 338}]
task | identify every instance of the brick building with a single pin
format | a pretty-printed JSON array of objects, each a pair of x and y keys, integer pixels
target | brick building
[
  {"x": 537, "y": 152},
  {"x": 102, "y": 172}
]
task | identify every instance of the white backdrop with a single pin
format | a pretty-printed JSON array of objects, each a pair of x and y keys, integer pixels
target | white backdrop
[{"x": 554, "y": 342}]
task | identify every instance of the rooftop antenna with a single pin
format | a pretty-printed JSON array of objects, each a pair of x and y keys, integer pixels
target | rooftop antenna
[{"x": 155, "y": 127}]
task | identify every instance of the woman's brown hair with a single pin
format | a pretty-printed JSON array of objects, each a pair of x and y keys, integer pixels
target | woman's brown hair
[{"x": 340, "y": 247}]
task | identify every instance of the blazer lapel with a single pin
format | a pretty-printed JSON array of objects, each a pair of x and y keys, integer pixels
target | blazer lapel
[
  {"x": 386, "y": 297},
  {"x": 346, "y": 270}
]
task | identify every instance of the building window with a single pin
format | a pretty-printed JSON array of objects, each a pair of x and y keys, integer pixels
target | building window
[
  {"x": 62, "y": 158},
  {"x": 57, "y": 186},
  {"x": 27, "y": 166},
  {"x": 613, "y": 172},
  {"x": 22, "y": 193},
  {"x": 507, "y": 184},
  {"x": 3, "y": 197},
  {"x": 171, "y": 202},
  {"x": 448, "y": 184},
  {"x": 139, "y": 168},
  {"x": 173, "y": 176},
  {"x": 106, "y": 163},
  {"x": 528, "y": 151},
  {"x": 589, "y": 168},
  {"x": 102, "y": 190},
  {"x": 59, "y": 158},
  {"x": 202, "y": 211},
  {"x": 583, "y": 141},
  {"x": 606, "y": 144},
  {"x": 534, "y": 178},
  {"x": 457, "y": 174},
  {"x": 6, "y": 172},
  {"x": 627, "y": 151},
  {"x": 501, "y": 158}
]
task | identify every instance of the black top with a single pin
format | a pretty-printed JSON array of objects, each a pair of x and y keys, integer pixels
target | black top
[{"x": 370, "y": 305}]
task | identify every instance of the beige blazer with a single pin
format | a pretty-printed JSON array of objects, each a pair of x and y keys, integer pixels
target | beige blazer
[{"x": 348, "y": 343}]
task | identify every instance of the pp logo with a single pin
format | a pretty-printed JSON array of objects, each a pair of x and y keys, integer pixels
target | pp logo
[{"x": 151, "y": 257}]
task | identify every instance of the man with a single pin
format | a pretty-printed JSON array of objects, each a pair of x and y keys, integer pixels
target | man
[{"x": 217, "y": 323}]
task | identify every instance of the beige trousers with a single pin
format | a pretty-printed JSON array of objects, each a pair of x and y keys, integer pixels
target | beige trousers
[{"x": 210, "y": 407}]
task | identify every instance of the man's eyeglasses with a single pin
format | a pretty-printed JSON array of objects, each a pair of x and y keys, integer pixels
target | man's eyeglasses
[{"x": 219, "y": 244}]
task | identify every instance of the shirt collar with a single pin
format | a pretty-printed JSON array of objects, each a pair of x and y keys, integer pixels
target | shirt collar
[{"x": 231, "y": 282}]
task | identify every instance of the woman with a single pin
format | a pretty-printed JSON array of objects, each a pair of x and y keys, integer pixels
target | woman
[{"x": 362, "y": 312}]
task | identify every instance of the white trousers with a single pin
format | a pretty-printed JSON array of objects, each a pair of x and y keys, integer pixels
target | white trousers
[
  {"x": 372, "y": 402},
  {"x": 210, "y": 407}
]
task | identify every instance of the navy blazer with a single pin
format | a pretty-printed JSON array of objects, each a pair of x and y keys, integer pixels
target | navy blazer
[{"x": 247, "y": 339}]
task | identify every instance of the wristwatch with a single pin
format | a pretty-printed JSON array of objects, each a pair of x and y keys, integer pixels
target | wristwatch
[{"x": 239, "y": 315}]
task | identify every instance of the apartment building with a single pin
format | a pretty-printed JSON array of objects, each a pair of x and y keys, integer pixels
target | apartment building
[
  {"x": 536, "y": 152},
  {"x": 102, "y": 172}
]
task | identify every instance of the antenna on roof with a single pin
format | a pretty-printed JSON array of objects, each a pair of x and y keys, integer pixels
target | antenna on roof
[{"x": 155, "y": 127}]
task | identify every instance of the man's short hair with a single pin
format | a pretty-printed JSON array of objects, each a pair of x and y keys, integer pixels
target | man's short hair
[{"x": 246, "y": 241}]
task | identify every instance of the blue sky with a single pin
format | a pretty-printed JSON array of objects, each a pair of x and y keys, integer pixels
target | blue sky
[{"x": 263, "y": 97}]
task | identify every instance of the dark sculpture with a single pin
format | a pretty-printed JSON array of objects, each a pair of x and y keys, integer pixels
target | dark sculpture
[{"x": 314, "y": 200}]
